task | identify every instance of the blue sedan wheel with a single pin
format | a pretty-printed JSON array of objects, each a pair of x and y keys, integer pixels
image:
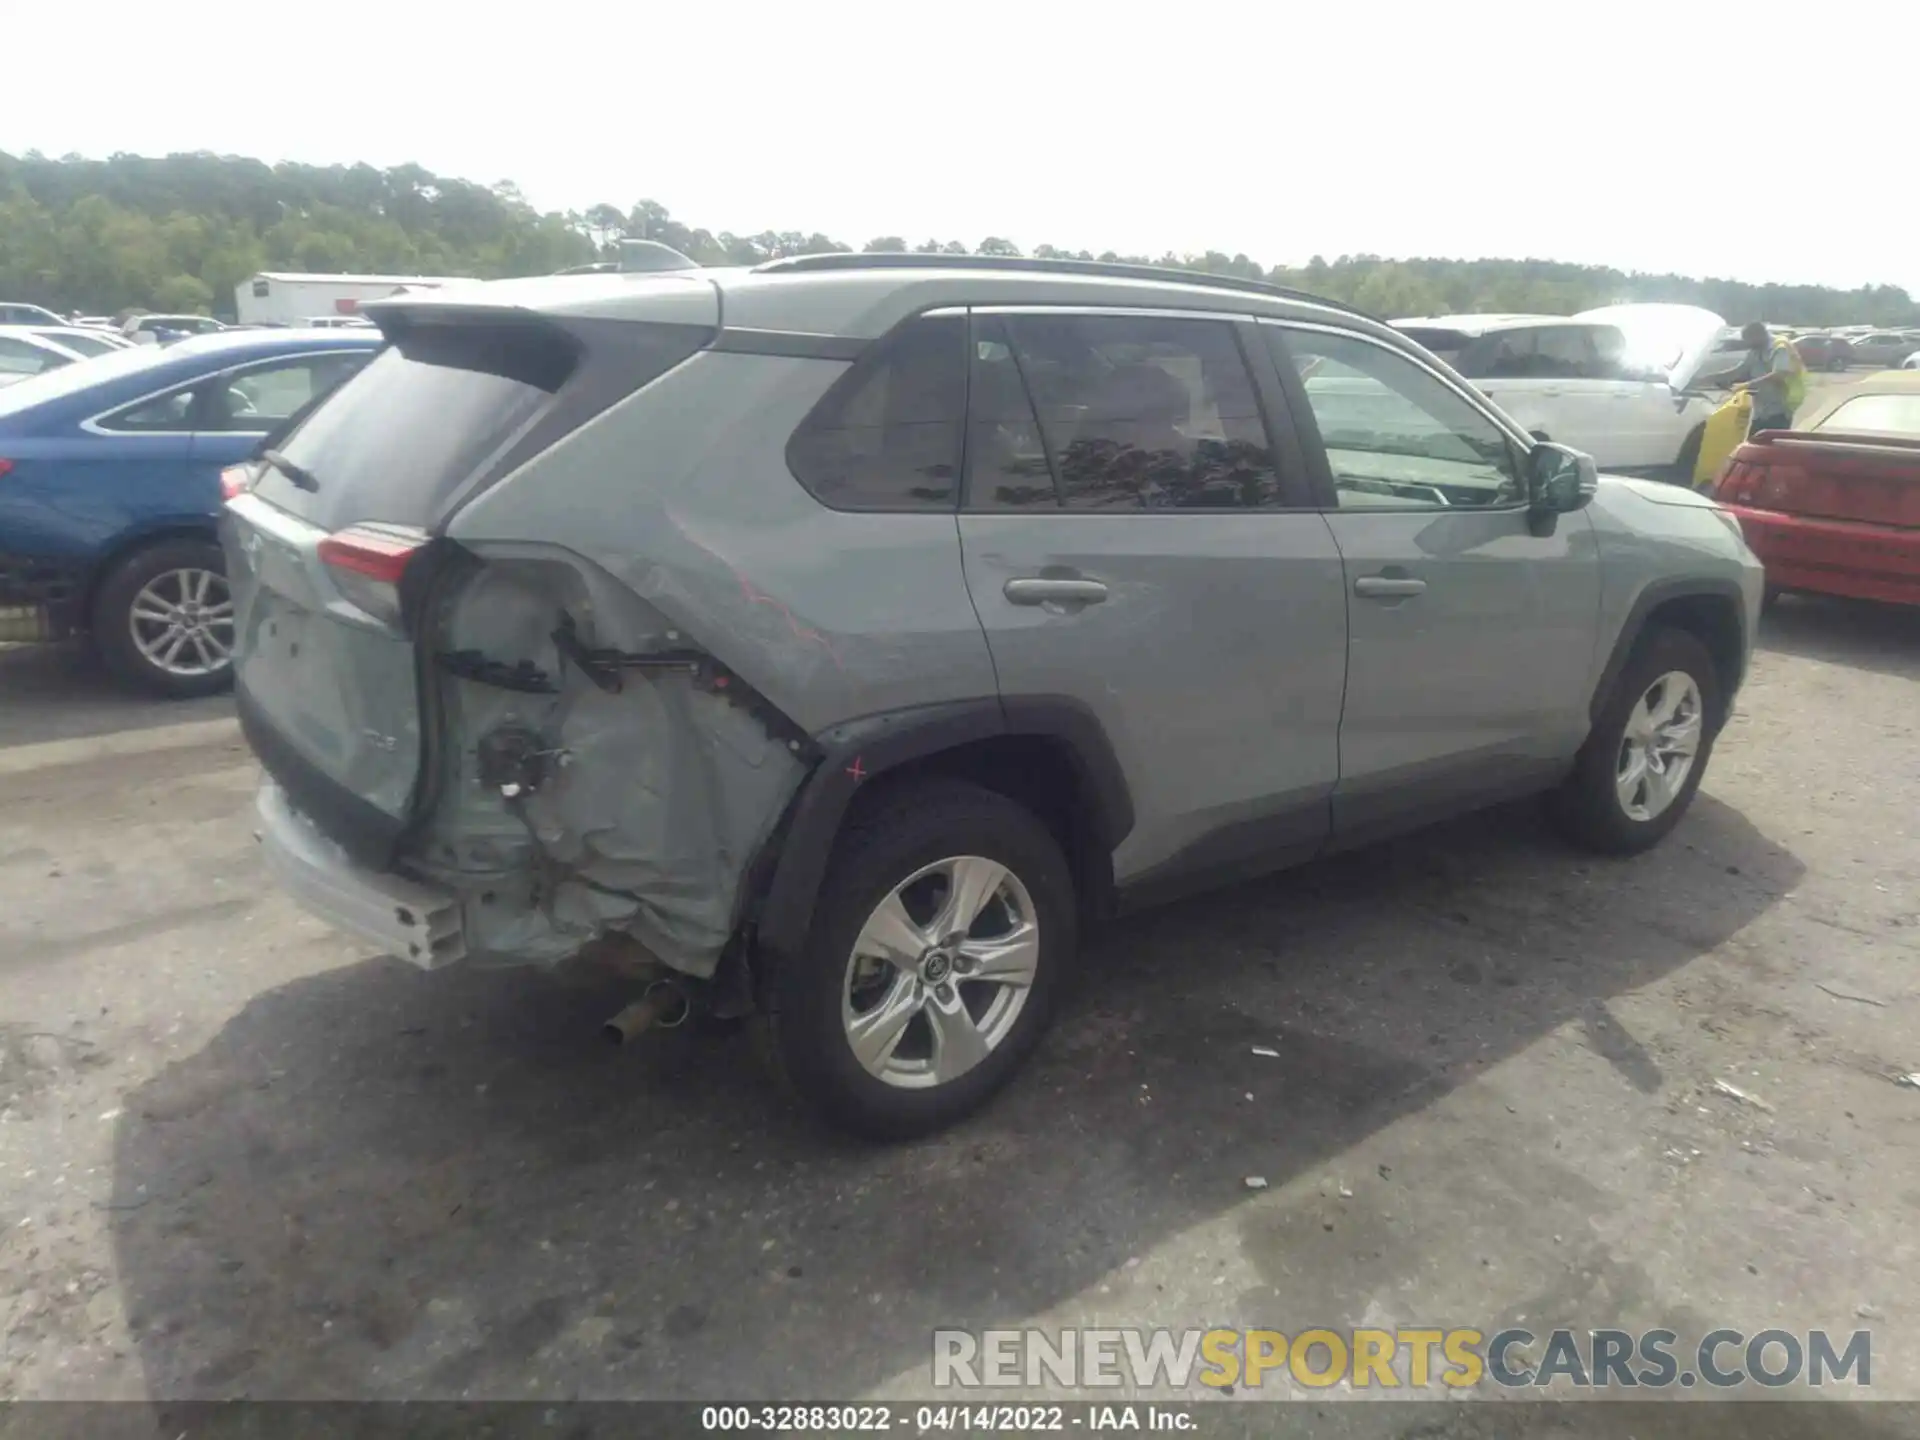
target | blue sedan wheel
[{"x": 163, "y": 620}]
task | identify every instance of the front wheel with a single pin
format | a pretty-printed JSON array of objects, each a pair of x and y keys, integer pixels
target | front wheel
[
  {"x": 163, "y": 619},
  {"x": 940, "y": 939},
  {"x": 1643, "y": 761}
]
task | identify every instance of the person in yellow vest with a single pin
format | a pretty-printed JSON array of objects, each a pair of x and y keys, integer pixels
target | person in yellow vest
[{"x": 1775, "y": 376}]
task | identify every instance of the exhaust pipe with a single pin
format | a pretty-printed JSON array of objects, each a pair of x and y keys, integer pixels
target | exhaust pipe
[{"x": 664, "y": 1006}]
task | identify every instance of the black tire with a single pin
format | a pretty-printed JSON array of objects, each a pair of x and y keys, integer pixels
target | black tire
[
  {"x": 1770, "y": 597},
  {"x": 919, "y": 825},
  {"x": 1689, "y": 456},
  {"x": 1836, "y": 364},
  {"x": 1587, "y": 806},
  {"x": 113, "y": 618}
]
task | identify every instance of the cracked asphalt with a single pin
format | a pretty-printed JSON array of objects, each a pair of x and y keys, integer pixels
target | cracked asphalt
[{"x": 240, "y": 1157}]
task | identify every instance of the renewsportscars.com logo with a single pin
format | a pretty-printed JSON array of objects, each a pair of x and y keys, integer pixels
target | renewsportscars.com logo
[{"x": 1395, "y": 1359}]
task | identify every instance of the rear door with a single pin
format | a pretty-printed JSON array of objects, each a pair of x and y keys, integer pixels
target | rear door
[
  {"x": 1470, "y": 638},
  {"x": 1135, "y": 540}
]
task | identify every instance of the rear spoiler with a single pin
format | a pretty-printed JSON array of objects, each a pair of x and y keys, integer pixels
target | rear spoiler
[{"x": 1852, "y": 442}]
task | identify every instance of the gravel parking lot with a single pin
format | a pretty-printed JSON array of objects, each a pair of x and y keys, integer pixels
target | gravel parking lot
[{"x": 239, "y": 1157}]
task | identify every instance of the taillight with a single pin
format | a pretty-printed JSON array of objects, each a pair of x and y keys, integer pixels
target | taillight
[
  {"x": 5, "y": 466},
  {"x": 235, "y": 480},
  {"x": 1735, "y": 483},
  {"x": 367, "y": 563}
]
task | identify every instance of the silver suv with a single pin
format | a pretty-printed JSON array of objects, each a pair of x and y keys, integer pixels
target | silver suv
[{"x": 849, "y": 633}]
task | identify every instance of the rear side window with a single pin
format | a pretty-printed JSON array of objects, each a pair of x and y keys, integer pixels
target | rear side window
[
  {"x": 887, "y": 435},
  {"x": 1127, "y": 412},
  {"x": 396, "y": 442},
  {"x": 166, "y": 415}
]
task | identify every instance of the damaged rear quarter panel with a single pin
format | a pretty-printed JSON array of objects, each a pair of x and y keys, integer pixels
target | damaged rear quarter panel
[
  {"x": 670, "y": 521},
  {"x": 636, "y": 809}
]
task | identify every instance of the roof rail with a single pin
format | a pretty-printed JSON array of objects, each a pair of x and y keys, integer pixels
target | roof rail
[{"x": 1164, "y": 274}]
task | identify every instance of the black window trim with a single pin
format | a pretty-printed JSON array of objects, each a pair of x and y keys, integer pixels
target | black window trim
[
  {"x": 1292, "y": 474},
  {"x": 1320, "y": 471}
]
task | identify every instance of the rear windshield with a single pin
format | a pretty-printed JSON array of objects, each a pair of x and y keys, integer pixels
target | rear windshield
[{"x": 395, "y": 442}]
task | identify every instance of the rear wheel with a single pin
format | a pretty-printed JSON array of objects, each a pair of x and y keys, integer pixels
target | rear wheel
[
  {"x": 163, "y": 619},
  {"x": 941, "y": 936},
  {"x": 1643, "y": 761}
]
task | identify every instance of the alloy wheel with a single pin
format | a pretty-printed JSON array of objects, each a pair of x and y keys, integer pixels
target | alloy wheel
[
  {"x": 182, "y": 622},
  {"x": 940, "y": 972},
  {"x": 1659, "y": 746}
]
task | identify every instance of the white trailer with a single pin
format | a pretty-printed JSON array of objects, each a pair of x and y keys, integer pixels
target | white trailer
[{"x": 276, "y": 297}]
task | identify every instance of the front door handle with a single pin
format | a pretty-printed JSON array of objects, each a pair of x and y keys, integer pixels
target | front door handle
[
  {"x": 1388, "y": 587},
  {"x": 1038, "y": 591}
]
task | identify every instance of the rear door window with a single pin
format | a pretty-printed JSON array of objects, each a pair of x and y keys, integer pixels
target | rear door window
[
  {"x": 886, "y": 436},
  {"x": 1116, "y": 412}
]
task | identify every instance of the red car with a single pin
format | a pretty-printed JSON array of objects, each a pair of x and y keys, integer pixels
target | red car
[
  {"x": 1824, "y": 352},
  {"x": 1832, "y": 506}
]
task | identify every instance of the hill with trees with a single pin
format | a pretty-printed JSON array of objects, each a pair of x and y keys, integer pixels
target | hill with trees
[{"x": 179, "y": 232}]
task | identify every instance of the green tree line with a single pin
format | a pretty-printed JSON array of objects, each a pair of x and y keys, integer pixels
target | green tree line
[{"x": 179, "y": 232}]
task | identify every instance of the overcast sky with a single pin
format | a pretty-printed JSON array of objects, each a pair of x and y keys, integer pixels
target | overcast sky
[{"x": 1751, "y": 140}]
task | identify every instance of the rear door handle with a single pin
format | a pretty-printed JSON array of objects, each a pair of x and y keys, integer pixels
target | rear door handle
[
  {"x": 1387, "y": 587},
  {"x": 1037, "y": 591}
]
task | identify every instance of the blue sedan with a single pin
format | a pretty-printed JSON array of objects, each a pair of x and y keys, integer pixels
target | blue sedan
[{"x": 110, "y": 492}]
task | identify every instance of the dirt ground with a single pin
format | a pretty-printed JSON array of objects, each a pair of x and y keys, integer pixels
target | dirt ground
[{"x": 238, "y": 1157}]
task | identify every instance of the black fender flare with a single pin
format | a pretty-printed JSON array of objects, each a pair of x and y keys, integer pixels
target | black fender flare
[
  {"x": 856, "y": 752},
  {"x": 1655, "y": 594}
]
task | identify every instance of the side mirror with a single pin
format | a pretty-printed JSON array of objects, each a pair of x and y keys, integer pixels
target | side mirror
[{"x": 1559, "y": 480}]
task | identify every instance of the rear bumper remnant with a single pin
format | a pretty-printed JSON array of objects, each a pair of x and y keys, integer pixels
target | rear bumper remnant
[{"x": 418, "y": 923}]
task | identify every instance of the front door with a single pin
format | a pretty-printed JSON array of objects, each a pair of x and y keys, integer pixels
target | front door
[
  {"x": 1470, "y": 638},
  {"x": 1133, "y": 541}
]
